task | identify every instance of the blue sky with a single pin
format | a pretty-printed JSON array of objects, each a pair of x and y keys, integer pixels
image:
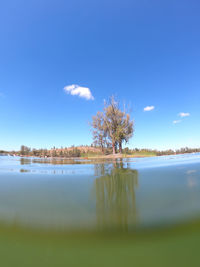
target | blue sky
[{"x": 147, "y": 53}]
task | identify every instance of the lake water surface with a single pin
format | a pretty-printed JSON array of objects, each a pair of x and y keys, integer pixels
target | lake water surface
[{"x": 96, "y": 195}]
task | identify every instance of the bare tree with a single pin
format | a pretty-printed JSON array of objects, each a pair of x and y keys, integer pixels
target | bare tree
[
  {"x": 99, "y": 131},
  {"x": 112, "y": 126}
]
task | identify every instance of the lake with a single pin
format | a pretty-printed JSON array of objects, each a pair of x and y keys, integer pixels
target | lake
[
  {"x": 119, "y": 194},
  {"x": 98, "y": 198}
]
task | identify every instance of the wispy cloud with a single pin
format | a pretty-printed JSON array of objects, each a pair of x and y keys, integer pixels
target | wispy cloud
[
  {"x": 177, "y": 121},
  {"x": 149, "y": 108},
  {"x": 80, "y": 91},
  {"x": 183, "y": 114}
]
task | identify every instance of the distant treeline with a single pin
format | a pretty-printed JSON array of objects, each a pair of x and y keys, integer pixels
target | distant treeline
[
  {"x": 67, "y": 152},
  {"x": 89, "y": 151},
  {"x": 54, "y": 152},
  {"x": 160, "y": 152}
]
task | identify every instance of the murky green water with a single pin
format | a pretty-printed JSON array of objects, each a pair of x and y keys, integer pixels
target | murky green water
[
  {"x": 134, "y": 212},
  {"x": 91, "y": 195}
]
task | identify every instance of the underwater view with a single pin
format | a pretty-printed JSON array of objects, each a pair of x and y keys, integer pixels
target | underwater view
[{"x": 55, "y": 212}]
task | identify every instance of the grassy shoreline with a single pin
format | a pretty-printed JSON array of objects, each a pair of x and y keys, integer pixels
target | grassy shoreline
[{"x": 118, "y": 156}]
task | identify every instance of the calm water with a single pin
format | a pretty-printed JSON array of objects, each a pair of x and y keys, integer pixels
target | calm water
[{"x": 92, "y": 195}]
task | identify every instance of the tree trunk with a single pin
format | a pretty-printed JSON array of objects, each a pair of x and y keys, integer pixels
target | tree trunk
[
  {"x": 120, "y": 147},
  {"x": 113, "y": 146}
]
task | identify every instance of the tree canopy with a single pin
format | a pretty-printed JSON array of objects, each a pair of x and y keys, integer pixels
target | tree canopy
[{"x": 112, "y": 126}]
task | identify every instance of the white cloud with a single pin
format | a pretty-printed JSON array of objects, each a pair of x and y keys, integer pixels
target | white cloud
[
  {"x": 149, "y": 108},
  {"x": 182, "y": 114},
  {"x": 176, "y": 121},
  {"x": 82, "y": 92}
]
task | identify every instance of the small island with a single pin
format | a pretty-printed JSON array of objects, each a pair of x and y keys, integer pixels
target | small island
[{"x": 111, "y": 128}]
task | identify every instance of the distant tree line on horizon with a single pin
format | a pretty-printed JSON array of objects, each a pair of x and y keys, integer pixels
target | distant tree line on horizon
[
  {"x": 93, "y": 151},
  {"x": 156, "y": 152}
]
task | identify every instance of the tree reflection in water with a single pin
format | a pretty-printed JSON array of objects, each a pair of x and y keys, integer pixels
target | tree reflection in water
[
  {"x": 25, "y": 161},
  {"x": 115, "y": 197}
]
